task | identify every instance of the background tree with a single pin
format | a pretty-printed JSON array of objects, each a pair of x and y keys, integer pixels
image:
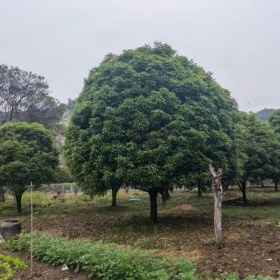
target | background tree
[
  {"x": 24, "y": 96},
  {"x": 26, "y": 155},
  {"x": 258, "y": 150},
  {"x": 274, "y": 122},
  {"x": 150, "y": 119},
  {"x": 62, "y": 175}
]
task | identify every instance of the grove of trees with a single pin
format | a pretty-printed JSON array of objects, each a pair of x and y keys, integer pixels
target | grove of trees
[{"x": 148, "y": 118}]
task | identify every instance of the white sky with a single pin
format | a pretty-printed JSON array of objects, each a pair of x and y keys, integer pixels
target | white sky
[{"x": 237, "y": 40}]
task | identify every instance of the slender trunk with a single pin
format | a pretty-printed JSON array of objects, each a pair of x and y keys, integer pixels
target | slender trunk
[
  {"x": 11, "y": 114},
  {"x": 244, "y": 192},
  {"x": 199, "y": 190},
  {"x": 262, "y": 183},
  {"x": 153, "y": 204},
  {"x": 18, "y": 202},
  {"x": 114, "y": 197},
  {"x": 218, "y": 199},
  {"x": 218, "y": 221},
  {"x": 2, "y": 194},
  {"x": 276, "y": 186}
]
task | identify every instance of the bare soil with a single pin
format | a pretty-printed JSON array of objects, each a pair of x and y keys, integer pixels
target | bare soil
[
  {"x": 251, "y": 246},
  {"x": 185, "y": 227}
]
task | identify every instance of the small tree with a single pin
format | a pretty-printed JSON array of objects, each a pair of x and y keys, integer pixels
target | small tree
[
  {"x": 62, "y": 175},
  {"x": 26, "y": 155}
]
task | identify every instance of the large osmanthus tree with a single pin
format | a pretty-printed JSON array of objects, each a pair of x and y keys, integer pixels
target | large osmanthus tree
[
  {"x": 150, "y": 119},
  {"x": 26, "y": 155}
]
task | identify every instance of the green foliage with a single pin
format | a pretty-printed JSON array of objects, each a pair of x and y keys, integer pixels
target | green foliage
[
  {"x": 8, "y": 265},
  {"x": 62, "y": 175},
  {"x": 26, "y": 155},
  {"x": 258, "y": 150},
  {"x": 150, "y": 119},
  {"x": 104, "y": 261}
]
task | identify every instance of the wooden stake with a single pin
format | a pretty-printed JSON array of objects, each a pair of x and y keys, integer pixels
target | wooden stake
[{"x": 31, "y": 227}]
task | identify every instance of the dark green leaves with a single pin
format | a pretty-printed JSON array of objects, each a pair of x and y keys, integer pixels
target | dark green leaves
[{"x": 149, "y": 118}]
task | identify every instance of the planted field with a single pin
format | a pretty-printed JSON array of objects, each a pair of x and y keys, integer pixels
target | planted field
[{"x": 185, "y": 227}]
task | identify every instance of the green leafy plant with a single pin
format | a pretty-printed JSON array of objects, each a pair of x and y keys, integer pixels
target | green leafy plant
[
  {"x": 8, "y": 265},
  {"x": 105, "y": 261}
]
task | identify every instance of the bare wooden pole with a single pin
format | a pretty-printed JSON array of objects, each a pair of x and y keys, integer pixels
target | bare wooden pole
[
  {"x": 217, "y": 189},
  {"x": 31, "y": 229}
]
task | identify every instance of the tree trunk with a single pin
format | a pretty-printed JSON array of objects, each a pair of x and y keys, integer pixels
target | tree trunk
[
  {"x": 153, "y": 204},
  {"x": 2, "y": 194},
  {"x": 262, "y": 183},
  {"x": 218, "y": 221},
  {"x": 199, "y": 190},
  {"x": 18, "y": 202},
  {"x": 114, "y": 197},
  {"x": 276, "y": 186},
  {"x": 244, "y": 192},
  {"x": 218, "y": 199}
]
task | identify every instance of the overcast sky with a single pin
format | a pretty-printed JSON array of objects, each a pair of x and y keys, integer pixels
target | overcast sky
[{"x": 237, "y": 40}]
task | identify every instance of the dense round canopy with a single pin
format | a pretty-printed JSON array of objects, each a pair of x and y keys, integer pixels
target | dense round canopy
[
  {"x": 149, "y": 118},
  {"x": 26, "y": 155}
]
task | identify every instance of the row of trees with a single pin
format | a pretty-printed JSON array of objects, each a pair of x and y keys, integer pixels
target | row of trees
[
  {"x": 152, "y": 120},
  {"x": 147, "y": 118}
]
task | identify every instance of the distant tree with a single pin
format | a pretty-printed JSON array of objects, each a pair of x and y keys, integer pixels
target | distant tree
[
  {"x": 26, "y": 155},
  {"x": 258, "y": 151},
  {"x": 71, "y": 104},
  {"x": 264, "y": 114},
  {"x": 274, "y": 121},
  {"x": 24, "y": 96},
  {"x": 149, "y": 119},
  {"x": 62, "y": 175}
]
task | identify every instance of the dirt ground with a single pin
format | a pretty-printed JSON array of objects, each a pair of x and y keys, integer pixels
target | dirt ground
[
  {"x": 251, "y": 246},
  {"x": 185, "y": 227}
]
